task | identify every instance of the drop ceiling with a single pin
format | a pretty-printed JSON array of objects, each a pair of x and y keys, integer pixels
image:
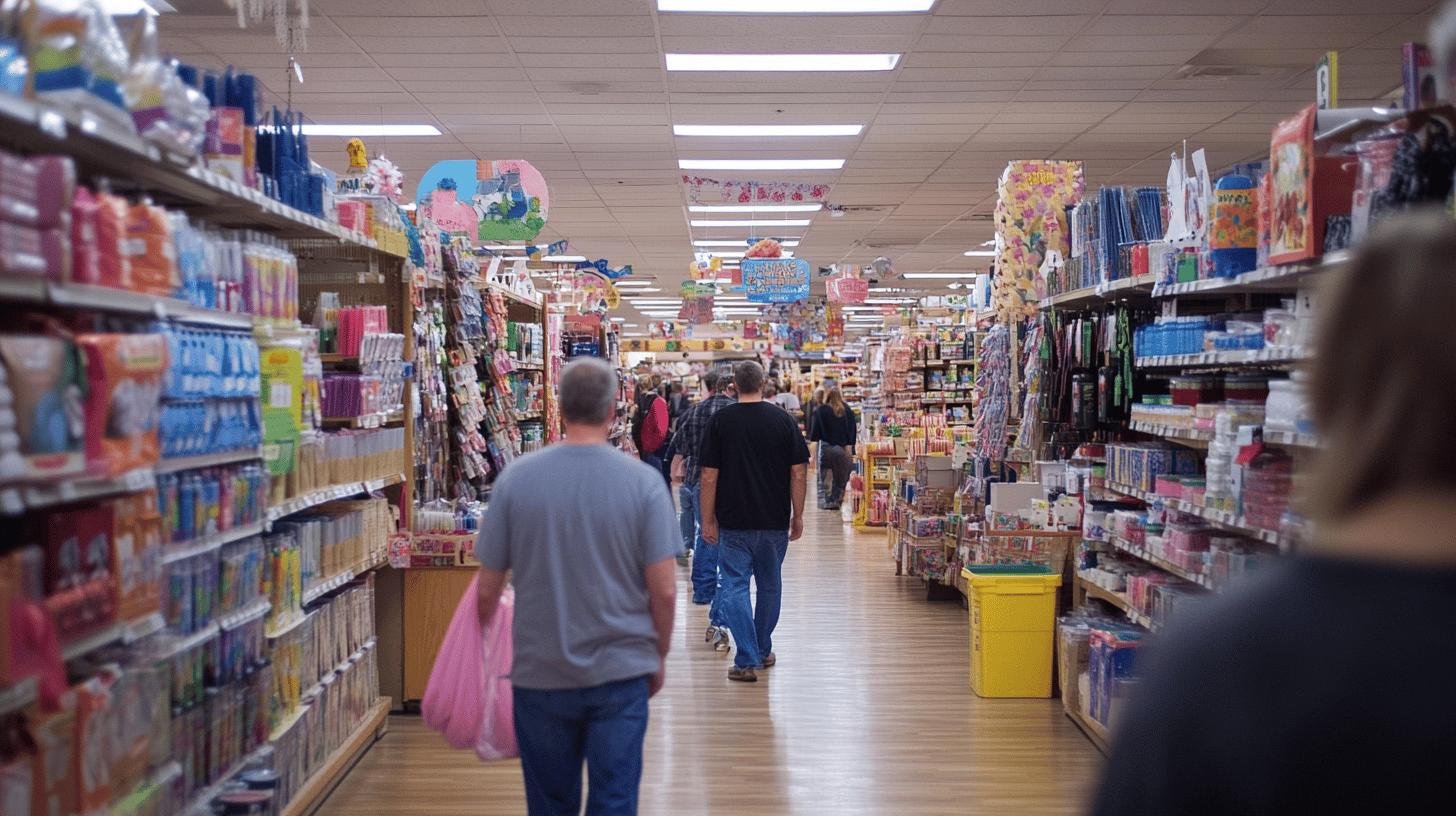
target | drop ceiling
[{"x": 579, "y": 88}]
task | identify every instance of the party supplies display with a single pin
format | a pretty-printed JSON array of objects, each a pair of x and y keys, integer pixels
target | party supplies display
[{"x": 124, "y": 378}]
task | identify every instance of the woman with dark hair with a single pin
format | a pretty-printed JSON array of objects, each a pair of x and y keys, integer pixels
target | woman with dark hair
[
  {"x": 1324, "y": 685},
  {"x": 835, "y": 427}
]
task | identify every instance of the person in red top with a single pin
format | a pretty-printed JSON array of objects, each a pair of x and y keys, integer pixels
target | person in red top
[{"x": 649, "y": 423}]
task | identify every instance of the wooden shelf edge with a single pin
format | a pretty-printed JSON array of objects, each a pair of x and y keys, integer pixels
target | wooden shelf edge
[
  {"x": 319, "y": 786},
  {"x": 1094, "y": 731}
]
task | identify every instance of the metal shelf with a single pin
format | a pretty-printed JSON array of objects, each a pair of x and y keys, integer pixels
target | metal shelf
[
  {"x": 16, "y": 499},
  {"x": 1283, "y": 278},
  {"x": 1218, "y": 359},
  {"x": 206, "y": 544},
  {"x": 1218, "y": 518},
  {"x": 1142, "y": 284},
  {"x": 180, "y": 463},
  {"x": 328, "y": 494}
]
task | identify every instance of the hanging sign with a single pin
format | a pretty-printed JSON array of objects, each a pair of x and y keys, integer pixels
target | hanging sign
[
  {"x": 712, "y": 344},
  {"x": 503, "y": 200},
  {"x": 847, "y": 289},
  {"x": 776, "y": 280},
  {"x": 713, "y": 191}
]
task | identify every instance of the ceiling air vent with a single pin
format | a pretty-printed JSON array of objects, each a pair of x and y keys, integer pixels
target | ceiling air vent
[{"x": 1235, "y": 64}]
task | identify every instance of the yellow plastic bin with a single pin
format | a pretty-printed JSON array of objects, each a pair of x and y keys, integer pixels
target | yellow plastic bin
[{"x": 1013, "y": 626}]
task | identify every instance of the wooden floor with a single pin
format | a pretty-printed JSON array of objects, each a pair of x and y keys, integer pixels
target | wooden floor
[{"x": 867, "y": 712}]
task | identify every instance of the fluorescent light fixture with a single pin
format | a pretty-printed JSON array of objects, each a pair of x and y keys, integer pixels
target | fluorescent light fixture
[
  {"x": 629, "y": 325},
  {"x": 629, "y": 283},
  {"x": 370, "y": 130},
  {"x": 503, "y": 248},
  {"x": 888, "y": 301},
  {"x": 979, "y": 253},
  {"x": 796, "y": 6},
  {"x": 741, "y": 244},
  {"x": 629, "y": 292},
  {"x": 861, "y": 308},
  {"x": 728, "y": 256},
  {"x": 120, "y": 7},
  {"x": 782, "y": 62},
  {"x": 564, "y": 258},
  {"x": 748, "y": 208},
  {"x": 716, "y": 223},
  {"x": 760, "y": 164},
  {"x": 940, "y": 275},
  {"x": 755, "y": 131},
  {"x": 619, "y": 320}
]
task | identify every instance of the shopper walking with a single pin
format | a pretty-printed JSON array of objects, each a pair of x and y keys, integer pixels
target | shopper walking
[
  {"x": 835, "y": 428},
  {"x": 585, "y": 534},
  {"x": 755, "y": 466},
  {"x": 649, "y": 423},
  {"x": 687, "y": 462},
  {"x": 1324, "y": 679}
]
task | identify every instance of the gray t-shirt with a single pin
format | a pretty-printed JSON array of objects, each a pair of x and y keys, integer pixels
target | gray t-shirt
[{"x": 576, "y": 525}]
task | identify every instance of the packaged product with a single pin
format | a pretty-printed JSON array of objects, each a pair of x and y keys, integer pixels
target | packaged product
[
  {"x": 113, "y": 264},
  {"x": 41, "y": 408},
  {"x": 165, "y": 111},
  {"x": 124, "y": 375},
  {"x": 152, "y": 250}
]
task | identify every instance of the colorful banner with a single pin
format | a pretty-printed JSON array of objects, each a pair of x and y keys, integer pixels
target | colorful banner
[
  {"x": 1031, "y": 220},
  {"x": 710, "y": 344},
  {"x": 713, "y": 191},
  {"x": 601, "y": 268},
  {"x": 776, "y": 280},
  {"x": 847, "y": 289}
]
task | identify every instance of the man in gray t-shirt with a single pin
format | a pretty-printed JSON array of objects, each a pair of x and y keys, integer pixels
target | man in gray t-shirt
[{"x": 588, "y": 538}]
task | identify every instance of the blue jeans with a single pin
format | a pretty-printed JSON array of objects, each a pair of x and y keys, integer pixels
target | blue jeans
[
  {"x": 705, "y": 565},
  {"x": 559, "y": 728},
  {"x": 687, "y": 516},
  {"x": 756, "y": 554}
]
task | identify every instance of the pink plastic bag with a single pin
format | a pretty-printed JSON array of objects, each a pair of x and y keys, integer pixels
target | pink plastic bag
[{"x": 468, "y": 698}]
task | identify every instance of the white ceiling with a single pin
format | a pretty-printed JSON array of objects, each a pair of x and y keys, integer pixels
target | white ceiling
[{"x": 578, "y": 88}]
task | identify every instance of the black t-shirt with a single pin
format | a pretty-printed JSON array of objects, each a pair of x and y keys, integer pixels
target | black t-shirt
[
  {"x": 831, "y": 429},
  {"x": 1325, "y": 687},
  {"x": 754, "y": 446}
]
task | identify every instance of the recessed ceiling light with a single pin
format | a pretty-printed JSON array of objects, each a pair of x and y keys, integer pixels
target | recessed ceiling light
[
  {"x": 766, "y": 130},
  {"x": 502, "y": 248},
  {"x": 727, "y": 208},
  {"x": 979, "y": 253},
  {"x": 633, "y": 282},
  {"x": 619, "y": 320},
  {"x": 796, "y": 6},
  {"x": 370, "y": 130},
  {"x": 940, "y": 275},
  {"x": 760, "y": 164},
  {"x": 564, "y": 258},
  {"x": 782, "y": 62},
  {"x": 712, "y": 243},
  {"x": 716, "y": 223},
  {"x": 629, "y": 325},
  {"x": 639, "y": 290}
]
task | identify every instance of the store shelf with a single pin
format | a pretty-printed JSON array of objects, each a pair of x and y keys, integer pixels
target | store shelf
[
  {"x": 19, "y": 695},
  {"x": 16, "y": 499},
  {"x": 200, "y": 803},
  {"x": 19, "y": 289},
  {"x": 318, "y": 786},
  {"x": 273, "y": 634},
  {"x": 1142, "y": 554},
  {"x": 1142, "y": 284},
  {"x": 1291, "y": 439},
  {"x": 1219, "y": 518},
  {"x": 104, "y": 149},
  {"x": 181, "y": 463},
  {"x": 1187, "y": 436},
  {"x": 1284, "y": 278},
  {"x": 376, "y": 420},
  {"x": 515, "y": 366},
  {"x": 1217, "y": 359},
  {"x": 328, "y": 494},
  {"x": 192, "y": 641},
  {"x": 327, "y": 585},
  {"x": 532, "y": 416},
  {"x": 251, "y": 612},
  {"x": 123, "y": 632},
  {"x": 199, "y": 546},
  {"x": 511, "y": 295},
  {"x": 1093, "y": 729}
]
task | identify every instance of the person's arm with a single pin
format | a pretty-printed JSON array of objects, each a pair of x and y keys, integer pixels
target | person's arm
[
  {"x": 491, "y": 583},
  {"x": 798, "y": 487},
  {"x": 661, "y": 579},
  {"x": 853, "y": 431},
  {"x": 679, "y": 468},
  {"x": 708, "y": 503},
  {"x": 814, "y": 426}
]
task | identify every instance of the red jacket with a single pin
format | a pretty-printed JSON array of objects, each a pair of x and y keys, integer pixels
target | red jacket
[{"x": 654, "y": 427}]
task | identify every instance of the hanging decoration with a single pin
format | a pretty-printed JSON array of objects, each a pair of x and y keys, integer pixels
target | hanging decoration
[
  {"x": 384, "y": 178},
  {"x": 697, "y": 302},
  {"x": 776, "y": 280},
  {"x": 508, "y": 196},
  {"x": 713, "y": 191},
  {"x": 1030, "y": 220},
  {"x": 588, "y": 292},
  {"x": 846, "y": 286},
  {"x": 833, "y": 322},
  {"x": 536, "y": 253},
  {"x": 601, "y": 267},
  {"x": 290, "y": 19}
]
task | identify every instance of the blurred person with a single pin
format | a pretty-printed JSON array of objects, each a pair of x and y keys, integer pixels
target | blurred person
[
  {"x": 788, "y": 400},
  {"x": 835, "y": 428},
  {"x": 592, "y": 563},
  {"x": 688, "y": 468},
  {"x": 1322, "y": 685},
  {"x": 755, "y": 465},
  {"x": 649, "y": 423},
  {"x": 677, "y": 403},
  {"x": 821, "y": 482}
]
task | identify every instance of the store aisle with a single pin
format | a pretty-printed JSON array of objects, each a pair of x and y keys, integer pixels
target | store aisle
[{"x": 867, "y": 712}]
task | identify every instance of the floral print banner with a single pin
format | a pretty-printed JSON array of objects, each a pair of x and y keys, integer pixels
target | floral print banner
[
  {"x": 1030, "y": 220},
  {"x": 713, "y": 191}
]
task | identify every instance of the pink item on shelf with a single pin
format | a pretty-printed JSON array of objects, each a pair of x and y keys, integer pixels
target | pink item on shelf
[
  {"x": 85, "y": 251},
  {"x": 1168, "y": 486}
]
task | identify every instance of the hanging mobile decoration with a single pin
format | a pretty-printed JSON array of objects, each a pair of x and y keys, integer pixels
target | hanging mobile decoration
[
  {"x": 290, "y": 19},
  {"x": 384, "y": 178}
]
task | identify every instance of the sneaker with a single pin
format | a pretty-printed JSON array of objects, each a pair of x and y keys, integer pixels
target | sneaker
[
  {"x": 683, "y": 559},
  {"x": 769, "y": 659},
  {"x": 723, "y": 643},
  {"x": 709, "y": 635},
  {"x": 742, "y": 675}
]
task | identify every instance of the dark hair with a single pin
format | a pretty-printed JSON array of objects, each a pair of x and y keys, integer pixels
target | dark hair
[
  {"x": 588, "y": 392},
  {"x": 835, "y": 400},
  {"x": 1383, "y": 379},
  {"x": 749, "y": 377}
]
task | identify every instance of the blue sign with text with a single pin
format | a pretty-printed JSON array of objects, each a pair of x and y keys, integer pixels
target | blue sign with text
[{"x": 776, "y": 280}]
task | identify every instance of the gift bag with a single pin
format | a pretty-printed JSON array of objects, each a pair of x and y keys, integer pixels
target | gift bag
[
  {"x": 497, "y": 736},
  {"x": 454, "y": 697}
]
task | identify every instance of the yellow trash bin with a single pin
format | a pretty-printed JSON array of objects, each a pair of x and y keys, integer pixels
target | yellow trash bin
[{"x": 1013, "y": 622}]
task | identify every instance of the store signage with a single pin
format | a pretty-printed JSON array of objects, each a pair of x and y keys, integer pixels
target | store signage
[
  {"x": 491, "y": 201},
  {"x": 846, "y": 289},
  {"x": 776, "y": 280},
  {"x": 712, "y": 344},
  {"x": 282, "y": 383}
]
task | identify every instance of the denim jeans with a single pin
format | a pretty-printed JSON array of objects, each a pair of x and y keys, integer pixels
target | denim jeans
[
  {"x": 559, "y": 728},
  {"x": 756, "y": 554},
  {"x": 687, "y": 514},
  {"x": 705, "y": 565}
]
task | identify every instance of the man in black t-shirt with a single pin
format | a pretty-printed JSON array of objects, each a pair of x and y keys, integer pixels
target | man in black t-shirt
[{"x": 755, "y": 469}]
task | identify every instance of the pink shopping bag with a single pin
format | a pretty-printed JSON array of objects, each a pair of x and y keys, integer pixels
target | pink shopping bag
[{"x": 468, "y": 697}]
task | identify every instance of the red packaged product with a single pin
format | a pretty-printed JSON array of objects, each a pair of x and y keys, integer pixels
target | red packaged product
[
  {"x": 123, "y": 406},
  {"x": 113, "y": 265},
  {"x": 151, "y": 250}
]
